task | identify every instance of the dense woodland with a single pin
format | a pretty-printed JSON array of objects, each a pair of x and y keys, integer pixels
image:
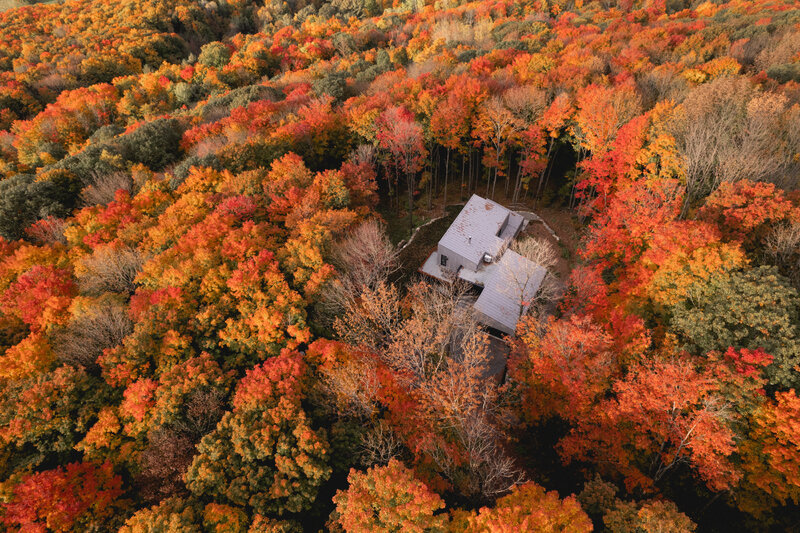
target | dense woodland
[{"x": 203, "y": 328}]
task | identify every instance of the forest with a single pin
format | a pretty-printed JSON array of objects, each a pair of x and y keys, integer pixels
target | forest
[{"x": 209, "y": 323}]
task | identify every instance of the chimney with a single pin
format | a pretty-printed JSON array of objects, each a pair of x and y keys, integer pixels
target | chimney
[{"x": 469, "y": 239}]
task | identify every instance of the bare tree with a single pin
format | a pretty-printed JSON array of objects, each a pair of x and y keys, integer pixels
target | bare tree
[
  {"x": 371, "y": 320},
  {"x": 105, "y": 186},
  {"x": 84, "y": 338},
  {"x": 539, "y": 251},
  {"x": 764, "y": 150},
  {"x": 526, "y": 103},
  {"x": 364, "y": 258},
  {"x": 440, "y": 314},
  {"x": 464, "y": 404},
  {"x": 661, "y": 84},
  {"x": 163, "y": 462},
  {"x": 109, "y": 269},
  {"x": 48, "y": 230},
  {"x": 204, "y": 409},
  {"x": 745, "y": 51},
  {"x": 353, "y": 386},
  {"x": 364, "y": 153},
  {"x": 440, "y": 354},
  {"x": 781, "y": 50},
  {"x": 782, "y": 248},
  {"x": 704, "y": 131},
  {"x": 727, "y": 131},
  {"x": 472, "y": 32},
  {"x": 380, "y": 445}
]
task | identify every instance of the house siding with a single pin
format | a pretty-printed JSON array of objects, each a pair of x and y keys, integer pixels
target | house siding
[{"x": 456, "y": 260}]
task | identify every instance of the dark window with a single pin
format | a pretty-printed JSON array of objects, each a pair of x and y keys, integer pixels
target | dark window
[{"x": 443, "y": 260}]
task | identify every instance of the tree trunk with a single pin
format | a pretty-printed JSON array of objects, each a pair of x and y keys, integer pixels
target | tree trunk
[
  {"x": 549, "y": 170},
  {"x": 446, "y": 175},
  {"x": 544, "y": 170},
  {"x": 517, "y": 184},
  {"x": 410, "y": 180},
  {"x": 431, "y": 178},
  {"x": 508, "y": 176},
  {"x": 461, "y": 191},
  {"x": 573, "y": 190},
  {"x": 469, "y": 173},
  {"x": 430, "y": 193}
]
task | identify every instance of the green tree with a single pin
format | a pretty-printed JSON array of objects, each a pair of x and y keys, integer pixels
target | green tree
[
  {"x": 264, "y": 454},
  {"x": 23, "y": 200},
  {"x": 44, "y": 417},
  {"x": 214, "y": 54},
  {"x": 154, "y": 144},
  {"x": 755, "y": 308}
]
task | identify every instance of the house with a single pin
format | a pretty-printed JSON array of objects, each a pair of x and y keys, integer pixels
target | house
[{"x": 475, "y": 249}]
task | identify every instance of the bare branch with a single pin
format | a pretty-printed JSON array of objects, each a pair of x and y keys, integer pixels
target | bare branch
[
  {"x": 380, "y": 445},
  {"x": 109, "y": 269},
  {"x": 353, "y": 385},
  {"x": 87, "y": 335},
  {"x": 782, "y": 248},
  {"x": 105, "y": 187}
]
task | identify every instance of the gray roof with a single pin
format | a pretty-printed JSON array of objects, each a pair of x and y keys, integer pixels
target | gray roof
[
  {"x": 509, "y": 280},
  {"x": 515, "y": 280},
  {"x": 475, "y": 230}
]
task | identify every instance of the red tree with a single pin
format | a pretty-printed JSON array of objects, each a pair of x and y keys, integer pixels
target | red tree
[
  {"x": 664, "y": 414},
  {"x": 401, "y": 136},
  {"x": 80, "y": 496}
]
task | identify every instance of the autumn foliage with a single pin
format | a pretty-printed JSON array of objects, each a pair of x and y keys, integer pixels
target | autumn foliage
[
  {"x": 207, "y": 324},
  {"x": 77, "y": 496},
  {"x": 386, "y": 499}
]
